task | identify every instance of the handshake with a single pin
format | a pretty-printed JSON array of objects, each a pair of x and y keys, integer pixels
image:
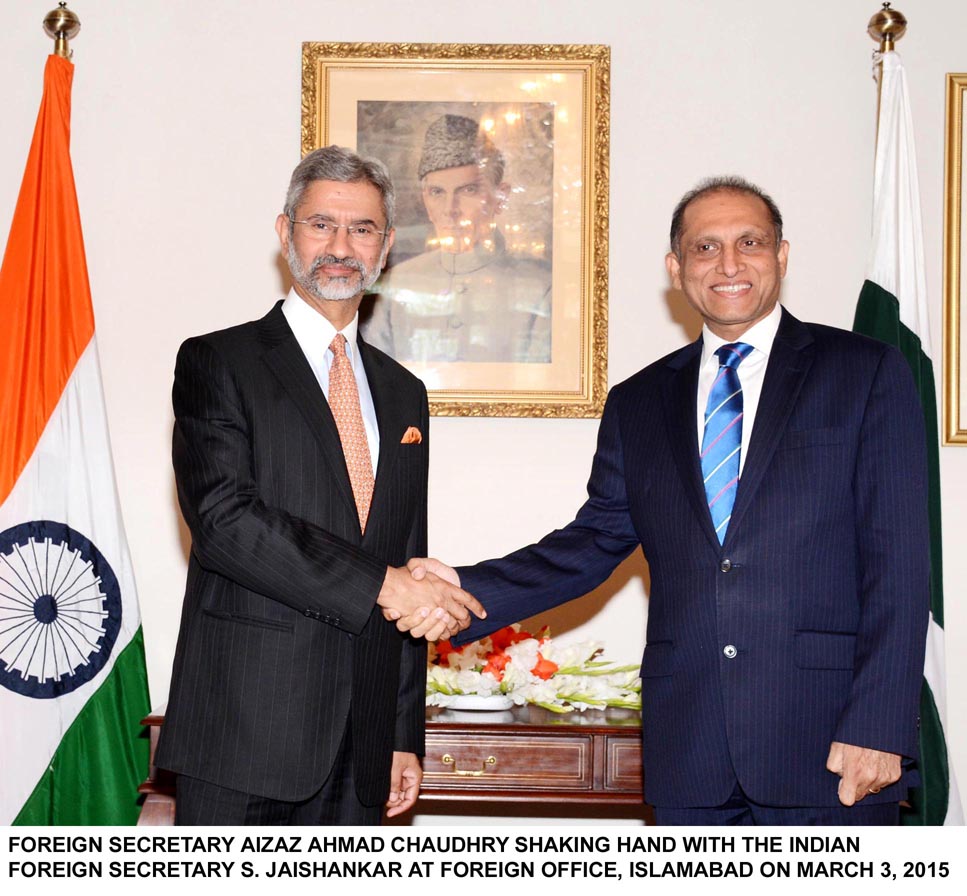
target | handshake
[{"x": 425, "y": 599}]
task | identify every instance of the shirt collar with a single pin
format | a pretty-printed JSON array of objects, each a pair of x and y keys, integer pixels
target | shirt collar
[
  {"x": 760, "y": 336},
  {"x": 313, "y": 329}
]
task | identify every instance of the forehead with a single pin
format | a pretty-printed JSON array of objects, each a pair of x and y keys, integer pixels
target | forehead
[
  {"x": 452, "y": 178},
  {"x": 357, "y": 200},
  {"x": 724, "y": 212}
]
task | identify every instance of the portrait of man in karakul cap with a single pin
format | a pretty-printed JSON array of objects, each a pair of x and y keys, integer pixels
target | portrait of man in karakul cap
[{"x": 466, "y": 298}]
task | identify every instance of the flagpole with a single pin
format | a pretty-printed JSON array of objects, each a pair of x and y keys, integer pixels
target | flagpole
[
  {"x": 886, "y": 27},
  {"x": 62, "y": 25}
]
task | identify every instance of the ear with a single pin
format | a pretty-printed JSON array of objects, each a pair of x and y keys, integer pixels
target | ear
[
  {"x": 282, "y": 229},
  {"x": 674, "y": 268},
  {"x": 783, "y": 257},
  {"x": 390, "y": 239}
]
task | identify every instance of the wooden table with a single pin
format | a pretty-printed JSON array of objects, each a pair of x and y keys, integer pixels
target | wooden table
[{"x": 522, "y": 755}]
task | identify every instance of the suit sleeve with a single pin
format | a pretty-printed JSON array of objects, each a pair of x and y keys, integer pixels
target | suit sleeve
[
  {"x": 569, "y": 562},
  {"x": 890, "y": 487},
  {"x": 411, "y": 696},
  {"x": 234, "y": 533}
]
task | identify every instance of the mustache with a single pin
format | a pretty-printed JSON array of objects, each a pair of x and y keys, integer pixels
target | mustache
[{"x": 323, "y": 260}]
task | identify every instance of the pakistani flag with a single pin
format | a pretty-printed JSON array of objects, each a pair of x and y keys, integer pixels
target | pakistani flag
[
  {"x": 72, "y": 676},
  {"x": 893, "y": 307}
]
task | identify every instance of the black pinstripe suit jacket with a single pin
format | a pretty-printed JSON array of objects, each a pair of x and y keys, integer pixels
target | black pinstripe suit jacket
[
  {"x": 808, "y": 624},
  {"x": 280, "y": 642}
]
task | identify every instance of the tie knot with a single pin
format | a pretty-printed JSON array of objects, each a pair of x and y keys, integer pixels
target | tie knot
[
  {"x": 338, "y": 344},
  {"x": 732, "y": 354}
]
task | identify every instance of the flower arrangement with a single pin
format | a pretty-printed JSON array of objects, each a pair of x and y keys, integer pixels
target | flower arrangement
[{"x": 530, "y": 669}]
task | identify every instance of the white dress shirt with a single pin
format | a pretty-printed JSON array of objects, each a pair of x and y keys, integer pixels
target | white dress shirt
[
  {"x": 751, "y": 373},
  {"x": 314, "y": 334}
]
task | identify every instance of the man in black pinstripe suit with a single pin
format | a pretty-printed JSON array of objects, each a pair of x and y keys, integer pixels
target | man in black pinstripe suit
[{"x": 293, "y": 700}]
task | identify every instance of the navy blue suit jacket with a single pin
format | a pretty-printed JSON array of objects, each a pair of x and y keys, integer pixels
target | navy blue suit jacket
[{"x": 808, "y": 625}]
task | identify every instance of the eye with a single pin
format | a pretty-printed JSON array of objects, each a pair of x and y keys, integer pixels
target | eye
[
  {"x": 362, "y": 230},
  {"x": 320, "y": 226},
  {"x": 706, "y": 248},
  {"x": 434, "y": 192},
  {"x": 470, "y": 190}
]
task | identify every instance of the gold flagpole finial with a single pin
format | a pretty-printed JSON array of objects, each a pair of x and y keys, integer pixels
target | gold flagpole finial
[
  {"x": 62, "y": 25},
  {"x": 887, "y": 27}
]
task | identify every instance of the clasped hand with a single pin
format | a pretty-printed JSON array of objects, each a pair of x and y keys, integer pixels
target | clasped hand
[{"x": 425, "y": 603}]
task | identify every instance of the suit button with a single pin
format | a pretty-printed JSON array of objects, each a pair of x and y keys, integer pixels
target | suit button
[
  {"x": 730, "y": 651},
  {"x": 725, "y": 565}
]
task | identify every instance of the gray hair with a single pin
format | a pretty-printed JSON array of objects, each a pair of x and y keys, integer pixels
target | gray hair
[
  {"x": 343, "y": 166},
  {"x": 725, "y": 184}
]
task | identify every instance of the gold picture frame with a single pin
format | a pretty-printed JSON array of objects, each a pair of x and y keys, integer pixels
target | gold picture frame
[
  {"x": 547, "y": 110},
  {"x": 955, "y": 165}
]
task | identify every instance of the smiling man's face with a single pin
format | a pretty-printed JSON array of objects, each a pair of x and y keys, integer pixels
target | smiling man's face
[{"x": 730, "y": 268}]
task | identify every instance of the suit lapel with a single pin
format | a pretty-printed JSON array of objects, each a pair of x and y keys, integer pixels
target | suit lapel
[
  {"x": 286, "y": 361},
  {"x": 680, "y": 396},
  {"x": 389, "y": 418},
  {"x": 789, "y": 362}
]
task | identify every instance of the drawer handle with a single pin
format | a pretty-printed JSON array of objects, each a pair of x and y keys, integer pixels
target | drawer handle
[{"x": 447, "y": 759}]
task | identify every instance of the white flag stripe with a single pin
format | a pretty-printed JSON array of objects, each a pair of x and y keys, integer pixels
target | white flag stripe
[
  {"x": 934, "y": 670},
  {"x": 896, "y": 263}
]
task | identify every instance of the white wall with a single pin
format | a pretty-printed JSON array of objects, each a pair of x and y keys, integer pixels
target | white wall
[{"x": 186, "y": 126}]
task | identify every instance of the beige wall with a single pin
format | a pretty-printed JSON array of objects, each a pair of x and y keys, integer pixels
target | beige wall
[{"x": 185, "y": 130}]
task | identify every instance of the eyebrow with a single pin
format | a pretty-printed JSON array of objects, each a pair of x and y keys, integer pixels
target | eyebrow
[
  {"x": 714, "y": 238},
  {"x": 329, "y": 218}
]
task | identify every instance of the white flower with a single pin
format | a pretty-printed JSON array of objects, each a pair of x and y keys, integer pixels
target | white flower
[{"x": 582, "y": 679}]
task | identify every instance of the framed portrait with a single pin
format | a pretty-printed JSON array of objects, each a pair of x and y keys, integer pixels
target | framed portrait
[
  {"x": 955, "y": 387},
  {"x": 495, "y": 291}
]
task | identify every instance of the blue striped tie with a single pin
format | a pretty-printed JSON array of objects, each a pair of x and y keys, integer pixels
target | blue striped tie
[{"x": 722, "y": 440}]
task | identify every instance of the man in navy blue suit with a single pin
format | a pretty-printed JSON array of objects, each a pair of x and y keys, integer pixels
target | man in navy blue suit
[{"x": 774, "y": 474}]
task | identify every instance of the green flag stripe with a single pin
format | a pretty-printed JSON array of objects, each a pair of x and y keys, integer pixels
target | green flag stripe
[
  {"x": 107, "y": 736},
  {"x": 929, "y": 801},
  {"x": 878, "y": 315}
]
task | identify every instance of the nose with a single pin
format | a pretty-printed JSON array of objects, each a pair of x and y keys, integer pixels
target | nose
[
  {"x": 339, "y": 243},
  {"x": 730, "y": 262}
]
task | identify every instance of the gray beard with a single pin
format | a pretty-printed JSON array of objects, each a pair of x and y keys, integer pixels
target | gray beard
[{"x": 335, "y": 290}]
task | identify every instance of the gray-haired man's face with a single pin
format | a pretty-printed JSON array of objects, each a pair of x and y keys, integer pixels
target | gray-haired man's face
[{"x": 337, "y": 269}]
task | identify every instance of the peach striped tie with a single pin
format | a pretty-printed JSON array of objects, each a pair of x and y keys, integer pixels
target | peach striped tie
[{"x": 344, "y": 403}]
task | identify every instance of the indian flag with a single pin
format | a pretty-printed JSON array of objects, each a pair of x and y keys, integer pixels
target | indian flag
[
  {"x": 893, "y": 307},
  {"x": 73, "y": 685}
]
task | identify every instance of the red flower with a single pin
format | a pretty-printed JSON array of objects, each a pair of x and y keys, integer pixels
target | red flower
[
  {"x": 544, "y": 669},
  {"x": 443, "y": 651},
  {"x": 504, "y": 637},
  {"x": 495, "y": 665}
]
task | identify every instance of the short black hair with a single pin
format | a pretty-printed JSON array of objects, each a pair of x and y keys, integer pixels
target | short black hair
[{"x": 729, "y": 183}]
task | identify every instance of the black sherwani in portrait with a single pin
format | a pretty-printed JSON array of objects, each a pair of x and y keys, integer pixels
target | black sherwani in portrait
[{"x": 281, "y": 641}]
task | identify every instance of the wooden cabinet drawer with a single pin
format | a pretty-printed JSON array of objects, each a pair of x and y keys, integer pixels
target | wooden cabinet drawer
[
  {"x": 507, "y": 763},
  {"x": 623, "y": 765}
]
